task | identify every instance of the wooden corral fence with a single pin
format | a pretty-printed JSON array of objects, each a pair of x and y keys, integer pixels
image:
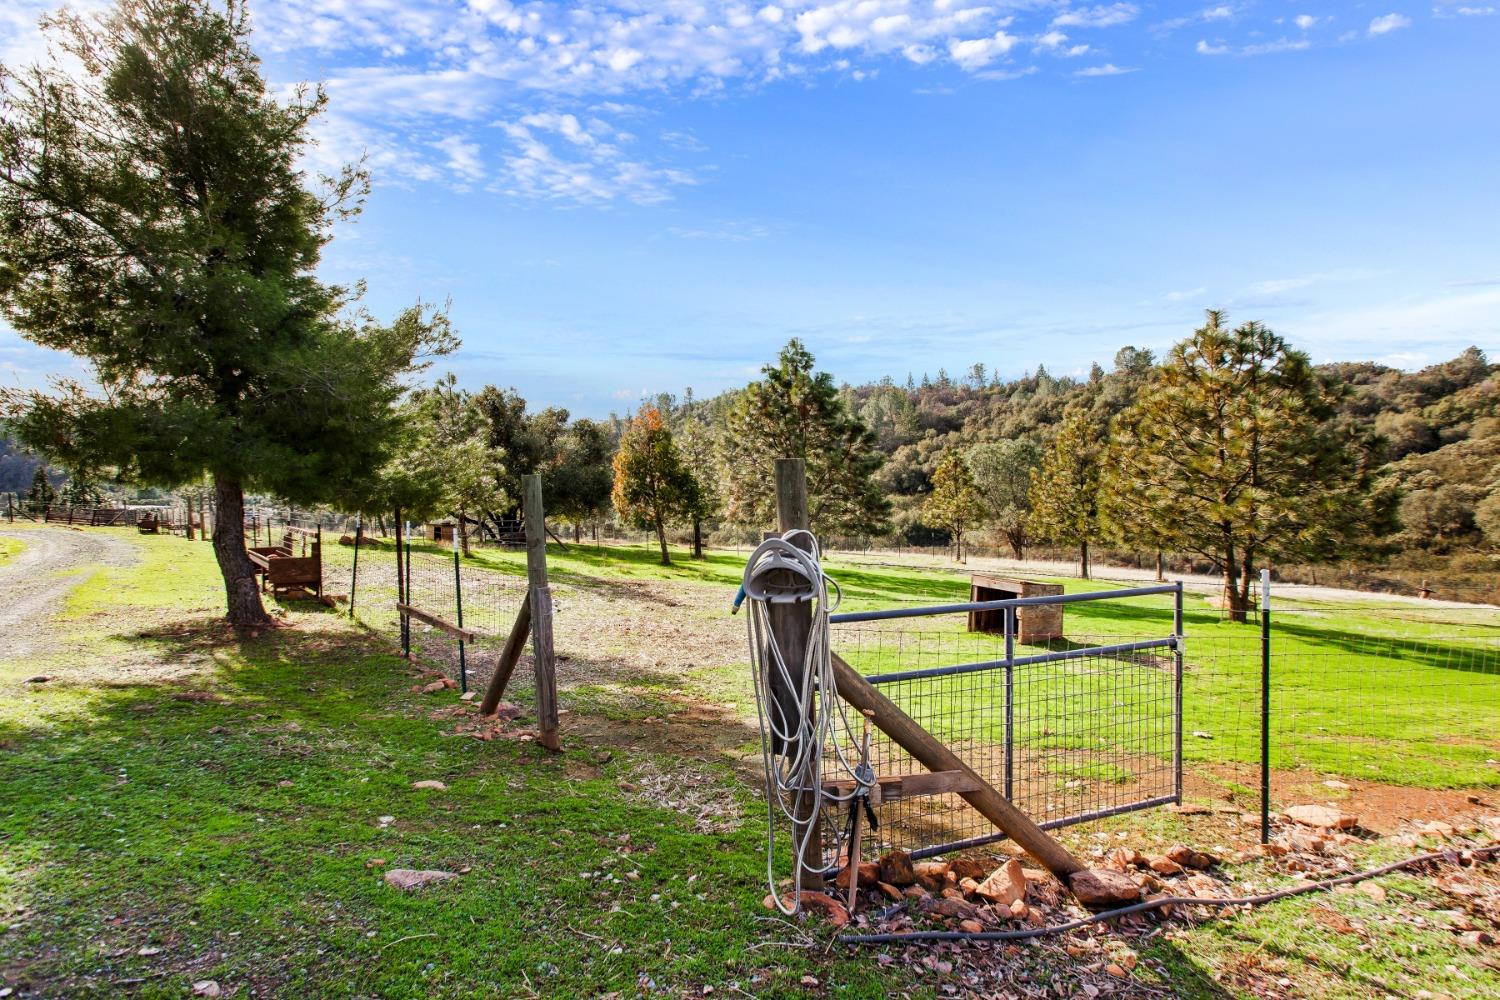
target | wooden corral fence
[{"x": 113, "y": 517}]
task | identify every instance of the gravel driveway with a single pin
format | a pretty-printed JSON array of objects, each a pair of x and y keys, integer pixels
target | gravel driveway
[{"x": 34, "y": 583}]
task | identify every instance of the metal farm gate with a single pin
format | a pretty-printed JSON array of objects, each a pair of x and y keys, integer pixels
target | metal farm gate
[{"x": 1070, "y": 729}]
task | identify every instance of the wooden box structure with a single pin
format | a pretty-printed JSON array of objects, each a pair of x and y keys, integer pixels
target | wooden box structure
[{"x": 1034, "y": 624}]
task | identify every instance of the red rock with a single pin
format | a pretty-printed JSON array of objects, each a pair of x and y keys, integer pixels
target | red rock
[
  {"x": 931, "y": 869},
  {"x": 896, "y": 868},
  {"x": 1166, "y": 866},
  {"x": 1102, "y": 889},
  {"x": 890, "y": 891},
  {"x": 1325, "y": 817},
  {"x": 971, "y": 926},
  {"x": 1005, "y": 884},
  {"x": 1180, "y": 853},
  {"x": 869, "y": 874},
  {"x": 956, "y": 908},
  {"x": 974, "y": 868}
]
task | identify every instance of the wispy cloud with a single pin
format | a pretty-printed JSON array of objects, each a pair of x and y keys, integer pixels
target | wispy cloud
[
  {"x": 557, "y": 156},
  {"x": 1102, "y": 16},
  {"x": 1108, "y": 69},
  {"x": 1387, "y": 23}
]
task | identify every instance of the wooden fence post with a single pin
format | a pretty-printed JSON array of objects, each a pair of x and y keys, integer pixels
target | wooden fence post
[
  {"x": 789, "y": 625},
  {"x": 540, "y": 595}
]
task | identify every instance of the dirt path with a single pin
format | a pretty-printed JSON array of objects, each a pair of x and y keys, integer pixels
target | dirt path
[{"x": 34, "y": 583}]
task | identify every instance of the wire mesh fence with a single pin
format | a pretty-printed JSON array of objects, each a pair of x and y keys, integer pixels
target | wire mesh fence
[{"x": 1087, "y": 726}]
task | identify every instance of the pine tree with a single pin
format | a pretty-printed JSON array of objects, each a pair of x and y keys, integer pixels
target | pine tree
[
  {"x": 955, "y": 504},
  {"x": 1233, "y": 451},
  {"x": 41, "y": 495},
  {"x": 1002, "y": 472},
  {"x": 652, "y": 485},
  {"x": 154, "y": 221},
  {"x": 796, "y": 413},
  {"x": 1065, "y": 491}
]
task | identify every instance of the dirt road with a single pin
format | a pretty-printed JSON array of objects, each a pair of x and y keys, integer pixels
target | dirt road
[{"x": 34, "y": 583}]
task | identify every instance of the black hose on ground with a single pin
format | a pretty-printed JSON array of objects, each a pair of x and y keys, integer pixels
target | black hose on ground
[{"x": 1125, "y": 911}]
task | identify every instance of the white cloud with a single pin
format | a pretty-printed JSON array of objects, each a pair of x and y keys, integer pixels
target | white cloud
[
  {"x": 464, "y": 158},
  {"x": 1306, "y": 21},
  {"x": 1448, "y": 10},
  {"x": 1183, "y": 296},
  {"x": 1205, "y": 49},
  {"x": 558, "y": 157},
  {"x": 1108, "y": 69},
  {"x": 1389, "y": 22},
  {"x": 1280, "y": 45},
  {"x": 722, "y": 232},
  {"x": 976, "y": 53},
  {"x": 1221, "y": 13},
  {"x": 1102, "y": 16}
]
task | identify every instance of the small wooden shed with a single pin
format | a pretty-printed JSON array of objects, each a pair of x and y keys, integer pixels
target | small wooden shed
[{"x": 1034, "y": 624}]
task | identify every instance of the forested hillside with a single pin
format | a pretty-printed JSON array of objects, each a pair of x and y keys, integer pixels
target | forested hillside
[{"x": 17, "y": 467}]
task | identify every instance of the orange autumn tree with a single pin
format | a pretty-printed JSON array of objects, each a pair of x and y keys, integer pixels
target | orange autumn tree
[{"x": 652, "y": 485}]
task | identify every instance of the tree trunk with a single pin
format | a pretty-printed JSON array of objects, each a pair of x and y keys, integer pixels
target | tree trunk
[
  {"x": 1083, "y": 560},
  {"x": 1017, "y": 544},
  {"x": 1247, "y": 574},
  {"x": 697, "y": 538},
  {"x": 240, "y": 592},
  {"x": 1232, "y": 603},
  {"x": 188, "y": 506},
  {"x": 661, "y": 538},
  {"x": 577, "y": 532},
  {"x": 463, "y": 532},
  {"x": 1161, "y": 566}
]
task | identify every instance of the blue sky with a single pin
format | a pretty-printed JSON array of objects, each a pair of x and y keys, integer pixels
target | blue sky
[{"x": 626, "y": 197}]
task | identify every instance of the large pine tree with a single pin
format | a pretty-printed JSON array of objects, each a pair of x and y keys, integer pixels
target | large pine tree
[
  {"x": 155, "y": 222},
  {"x": 1233, "y": 450},
  {"x": 794, "y": 412}
]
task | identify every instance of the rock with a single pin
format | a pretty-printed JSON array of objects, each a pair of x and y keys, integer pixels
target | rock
[
  {"x": 971, "y": 926},
  {"x": 1127, "y": 857},
  {"x": 952, "y": 892},
  {"x": 468, "y": 696},
  {"x": 436, "y": 786},
  {"x": 1478, "y": 938},
  {"x": 931, "y": 869},
  {"x": 1373, "y": 890},
  {"x": 837, "y": 915},
  {"x": 958, "y": 909},
  {"x": 1189, "y": 808},
  {"x": 1116, "y": 971},
  {"x": 407, "y": 879},
  {"x": 915, "y": 892},
  {"x": 1018, "y": 909},
  {"x": 1180, "y": 853},
  {"x": 206, "y": 988},
  {"x": 1436, "y": 828},
  {"x": 39, "y": 679},
  {"x": 1324, "y": 817},
  {"x": 968, "y": 886},
  {"x": 869, "y": 874},
  {"x": 1005, "y": 884},
  {"x": 1165, "y": 909},
  {"x": 891, "y": 892},
  {"x": 896, "y": 868},
  {"x": 433, "y": 688},
  {"x": 1166, "y": 866},
  {"x": 974, "y": 868},
  {"x": 1339, "y": 785},
  {"x": 1102, "y": 889},
  {"x": 1269, "y": 850},
  {"x": 283, "y": 783}
]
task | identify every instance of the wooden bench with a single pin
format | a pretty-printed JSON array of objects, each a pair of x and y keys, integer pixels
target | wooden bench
[{"x": 282, "y": 569}]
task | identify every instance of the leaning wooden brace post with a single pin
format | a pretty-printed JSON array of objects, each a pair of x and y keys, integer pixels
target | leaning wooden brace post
[
  {"x": 932, "y": 754},
  {"x": 540, "y": 597},
  {"x": 789, "y": 625}
]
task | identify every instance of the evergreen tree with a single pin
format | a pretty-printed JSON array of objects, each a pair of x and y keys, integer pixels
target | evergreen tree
[
  {"x": 1233, "y": 451},
  {"x": 1065, "y": 490},
  {"x": 955, "y": 504},
  {"x": 41, "y": 495},
  {"x": 451, "y": 444},
  {"x": 652, "y": 485},
  {"x": 1002, "y": 472},
  {"x": 796, "y": 413},
  {"x": 153, "y": 221},
  {"x": 579, "y": 480}
]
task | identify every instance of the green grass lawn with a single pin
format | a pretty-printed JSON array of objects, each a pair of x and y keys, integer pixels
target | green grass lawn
[
  {"x": 152, "y": 838},
  {"x": 10, "y": 548}
]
